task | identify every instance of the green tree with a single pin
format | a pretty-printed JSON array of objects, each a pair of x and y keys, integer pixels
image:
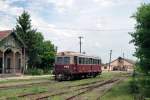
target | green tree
[
  {"x": 41, "y": 53},
  {"x": 31, "y": 38},
  {"x": 141, "y": 37},
  {"x": 47, "y": 55}
]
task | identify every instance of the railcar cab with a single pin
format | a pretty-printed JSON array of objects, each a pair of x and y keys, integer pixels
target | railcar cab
[
  {"x": 64, "y": 67},
  {"x": 68, "y": 65}
]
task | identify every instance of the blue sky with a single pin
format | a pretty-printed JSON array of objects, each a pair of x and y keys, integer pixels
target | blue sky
[{"x": 104, "y": 24}]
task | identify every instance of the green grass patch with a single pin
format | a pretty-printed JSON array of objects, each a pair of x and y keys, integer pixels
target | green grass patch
[
  {"x": 25, "y": 80},
  {"x": 13, "y": 92},
  {"x": 119, "y": 92}
]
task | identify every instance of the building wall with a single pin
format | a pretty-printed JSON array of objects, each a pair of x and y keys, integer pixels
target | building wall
[
  {"x": 116, "y": 64},
  {"x": 12, "y": 44}
]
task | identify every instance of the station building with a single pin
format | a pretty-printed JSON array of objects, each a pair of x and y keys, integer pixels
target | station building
[
  {"x": 12, "y": 53},
  {"x": 120, "y": 64}
]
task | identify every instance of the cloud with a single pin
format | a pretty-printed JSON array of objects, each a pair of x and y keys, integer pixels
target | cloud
[
  {"x": 5, "y": 7},
  {"x": 62, "y": 5},
  {"x": 62, "y": 21}
]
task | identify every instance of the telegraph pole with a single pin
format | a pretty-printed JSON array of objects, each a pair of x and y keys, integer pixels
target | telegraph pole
[
  {"x": 123, "y": 55},
  {"x": 110, "y": 59},
  {"x": 80, "y": 38},
  {"x": 123, "y": 60}
]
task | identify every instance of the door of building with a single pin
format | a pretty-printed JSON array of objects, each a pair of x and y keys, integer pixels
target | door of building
[
  {"x": 1, "y": 66},
  {"x": 8, "y": 65}
]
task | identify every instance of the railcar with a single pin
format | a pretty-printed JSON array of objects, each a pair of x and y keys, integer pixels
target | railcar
[{"x": 70, "y": 65}]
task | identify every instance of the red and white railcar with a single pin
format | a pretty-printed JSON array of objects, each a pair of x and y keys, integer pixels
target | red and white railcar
[{"x": 69, "y": 65}]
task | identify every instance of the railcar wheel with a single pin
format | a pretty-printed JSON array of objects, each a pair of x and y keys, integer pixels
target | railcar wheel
[
  {"x": 69, "y": 77},
  {"x": 94, "y": 75},
  {"x": 59, "y": 77}
]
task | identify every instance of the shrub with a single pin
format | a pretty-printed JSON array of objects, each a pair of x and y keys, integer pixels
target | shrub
[
  {"x": 134, "y": 87},
  {"x": 145, "y": 86},
  {"x": 34, "y": 71}
]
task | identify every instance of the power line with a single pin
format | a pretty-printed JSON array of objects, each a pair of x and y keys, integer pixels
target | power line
[{"x": 86, "y": 29}]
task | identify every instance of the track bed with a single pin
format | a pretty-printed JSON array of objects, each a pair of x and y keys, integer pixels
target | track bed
[{"x": 85, "y": 89}]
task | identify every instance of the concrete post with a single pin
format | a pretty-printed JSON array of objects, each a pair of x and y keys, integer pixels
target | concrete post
[
  {"x": 14, "y": 62},
  {"x": 3, "y": 65},
  {"x": 21, "y": 62}
]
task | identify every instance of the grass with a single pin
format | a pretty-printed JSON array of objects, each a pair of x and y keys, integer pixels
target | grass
[
  {"x": 12, "y": 93},
  {"x": 119, "y": 92},
  {"x": 24, "y": 80}
]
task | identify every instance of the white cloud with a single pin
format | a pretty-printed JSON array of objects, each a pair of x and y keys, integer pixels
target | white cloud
[
  {"x": 8, "y": 9},
  {"x": 79, "y": 17}
]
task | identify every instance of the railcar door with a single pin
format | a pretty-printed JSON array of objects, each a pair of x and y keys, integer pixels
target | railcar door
[{"x": 75, "y": 64}]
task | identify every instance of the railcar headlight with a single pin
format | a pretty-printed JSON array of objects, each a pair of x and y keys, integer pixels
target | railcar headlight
[{"x": 66, "y": 66}]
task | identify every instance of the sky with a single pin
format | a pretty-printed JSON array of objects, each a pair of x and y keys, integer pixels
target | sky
[{"x": 104, "y": 24}]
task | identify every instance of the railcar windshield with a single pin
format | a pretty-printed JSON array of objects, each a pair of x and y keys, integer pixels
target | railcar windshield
[
  {"x": 66, "y": 60},
  {"x": 62, "y": 60}
]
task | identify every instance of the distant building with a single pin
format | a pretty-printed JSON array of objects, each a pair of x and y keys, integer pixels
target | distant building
[
  {"x": 12, "y": 53},
  {"x": 120, "y": 64}
]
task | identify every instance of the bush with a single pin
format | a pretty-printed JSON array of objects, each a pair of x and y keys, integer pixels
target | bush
[
  {"x": 145, "y": 86},
  {"x": 134, "y": 87},
  {"x": 34, "y": 71}
]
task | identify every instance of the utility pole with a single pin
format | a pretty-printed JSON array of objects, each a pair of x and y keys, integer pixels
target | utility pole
[
  {"x": 123, "y": 60},
  {"x": 110, "y": 59},
  {"x": 123, "y": 55},
  {"x": 80, "y": 38}
]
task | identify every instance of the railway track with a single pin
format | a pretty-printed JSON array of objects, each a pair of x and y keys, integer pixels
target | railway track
[
  {"x": 24, "y": 85},
  {"x": 83, "y": 89},
  {"x": 55, "y": 94},
  {"x": 47, "y": 93},
  {"x": 88, "y": 89}
]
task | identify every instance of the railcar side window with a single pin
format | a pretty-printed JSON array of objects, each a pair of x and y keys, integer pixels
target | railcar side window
[
  {"x": 84, "y": 60},
  {"x": 75, "y": 60},
  {"x": 89, "y": 61},
  {"x": 66, "y": 60},
  {"x": 99, "y": 61},
  {"x": 59, "y": 60},
  {"x": 96, "y": 61},
  {"x": 80, "y": 60}
]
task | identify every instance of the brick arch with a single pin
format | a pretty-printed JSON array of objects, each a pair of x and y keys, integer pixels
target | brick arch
[
  {"x": 8, "y": 60},
  {"x": 1, "y": 61},
  {"x": 18, "y": 58}
]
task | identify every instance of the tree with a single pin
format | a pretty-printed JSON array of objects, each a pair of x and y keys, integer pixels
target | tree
[
  {"x": 41, "y": 53},
  {"x": 141, "y": 37},
  {"x": 31, "y": 38},
  {"x": 47, "y": 55}
]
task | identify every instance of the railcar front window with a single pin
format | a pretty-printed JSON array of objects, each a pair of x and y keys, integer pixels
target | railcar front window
[
  {"x": 66, "y": 60},
  {"x": 59, "y": 60}
]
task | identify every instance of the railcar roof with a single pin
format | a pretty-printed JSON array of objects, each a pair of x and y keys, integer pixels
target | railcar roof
[{"x": 70, "y": 53}]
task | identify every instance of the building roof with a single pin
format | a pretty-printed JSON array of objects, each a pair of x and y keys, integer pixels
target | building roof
[
  {"x": 6, "y": 33},
  {"x": 128, "y": 60}
]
